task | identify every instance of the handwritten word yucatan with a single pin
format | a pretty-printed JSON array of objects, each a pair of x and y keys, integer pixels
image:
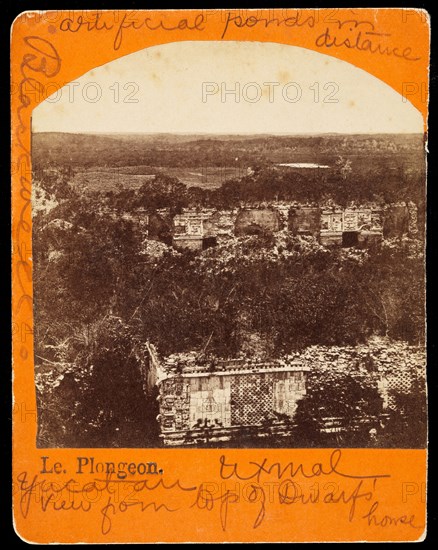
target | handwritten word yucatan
[{"x": 259, "y": 484}]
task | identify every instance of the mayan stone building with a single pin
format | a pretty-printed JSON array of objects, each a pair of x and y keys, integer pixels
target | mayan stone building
[
  {"x": 188, "y": 228},
  {"x": 215, "y": 399},
  {"x": 350, "y": 226},
  {"x": 222, "y": 396},
  {"x": 356, "y": 225}
]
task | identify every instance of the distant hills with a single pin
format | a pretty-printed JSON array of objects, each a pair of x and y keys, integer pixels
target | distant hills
[{"x": 179, "y": 150}]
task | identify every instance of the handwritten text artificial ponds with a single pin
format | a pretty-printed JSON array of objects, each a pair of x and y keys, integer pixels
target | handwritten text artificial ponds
[{"x": 330, "y": 32}]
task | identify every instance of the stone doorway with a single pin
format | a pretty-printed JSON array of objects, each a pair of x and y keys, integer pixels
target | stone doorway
[
  {"x": 208, "y": 242},
  {"x": 350, "y": 238}
]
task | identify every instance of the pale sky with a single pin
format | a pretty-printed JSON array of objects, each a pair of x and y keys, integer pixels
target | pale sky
[{"x": 187, "y": 87}]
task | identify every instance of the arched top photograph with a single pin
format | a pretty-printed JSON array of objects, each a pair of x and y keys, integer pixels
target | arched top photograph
[{"x": 228, "y": 243}]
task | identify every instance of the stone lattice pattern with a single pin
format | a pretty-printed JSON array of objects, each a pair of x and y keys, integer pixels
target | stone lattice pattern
[
  {"x": 252, "y": 399},
  {"x": 401, "y": 382},
  {"x": 255, "y": 398}
]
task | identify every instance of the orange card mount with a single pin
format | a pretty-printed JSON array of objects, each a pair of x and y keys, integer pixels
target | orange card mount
[{"x": 218, "y": 275}]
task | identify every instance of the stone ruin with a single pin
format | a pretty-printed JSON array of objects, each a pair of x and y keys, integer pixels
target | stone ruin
[
  {"x": 214, "y": 398},
  {"x": 221, "y": 396},
  {"x": 198, "y": 228}
]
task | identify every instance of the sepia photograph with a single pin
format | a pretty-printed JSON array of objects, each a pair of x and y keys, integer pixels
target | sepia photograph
[{"x": 228, "y": 247}]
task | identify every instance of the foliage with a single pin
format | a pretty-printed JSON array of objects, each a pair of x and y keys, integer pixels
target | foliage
[
  {"x": 406, "y": 426},
  {"x": 100, "y": 400},
  {"x": 397, "y": 171},
  {"x": 337, "y": 399},
  {"x": 98, "y": 297}
]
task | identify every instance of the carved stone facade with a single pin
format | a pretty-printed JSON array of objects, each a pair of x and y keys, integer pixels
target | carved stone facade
[
  {"x": 188, "y": 228},
  {"x": 236, "y": 394},
  {"x": 350, "y": 226},
  {"x": 217, "y": 399},
  {"x": 197, "y": 229}
]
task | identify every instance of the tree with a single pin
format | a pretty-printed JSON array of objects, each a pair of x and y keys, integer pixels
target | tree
[
  {"x": 100, "y": 400},
  {"x": 406, "y": 426},
  {"x": 162, "y": 192},
  {"x": 352, "y": 402},
  {"x": 344, "y": 167}
]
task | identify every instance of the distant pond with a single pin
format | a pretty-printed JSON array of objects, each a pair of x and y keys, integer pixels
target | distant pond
[{"x": 303, "y": 165}]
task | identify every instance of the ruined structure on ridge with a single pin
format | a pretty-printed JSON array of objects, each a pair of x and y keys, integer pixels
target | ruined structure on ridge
[
  {"x": 351, "y": 226},
  {"x": 200, "y": 228}
]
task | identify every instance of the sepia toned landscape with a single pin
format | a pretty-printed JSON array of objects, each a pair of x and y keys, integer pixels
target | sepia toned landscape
[{"x": 229, "y": 290}]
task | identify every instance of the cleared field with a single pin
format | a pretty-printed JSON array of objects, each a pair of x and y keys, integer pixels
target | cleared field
[
  {"x": 111, "y": 179},
  {"x": 117, "y": 162},
  {"x": 133, "y": 177},
  {"x": 208, "y": 177}
]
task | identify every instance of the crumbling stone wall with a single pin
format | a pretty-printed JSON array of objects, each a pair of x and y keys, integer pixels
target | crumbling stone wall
[
  {"x": 395, "y": 365},
  {"x": 396, "y": 220},
  {"x": 304, "y": 220},
  {"x": 160, "y": 227},
  {"x": 256, "y": 220},
  {"x": 221, "y": 225},
  {"x": 283, "y": 210},
  {"x": 412, "y": 219}
]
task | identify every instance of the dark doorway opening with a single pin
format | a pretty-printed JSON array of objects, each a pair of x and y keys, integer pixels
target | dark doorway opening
[
  {"x": 350, "y": 238},
  {"x": 208, "y": 242}
]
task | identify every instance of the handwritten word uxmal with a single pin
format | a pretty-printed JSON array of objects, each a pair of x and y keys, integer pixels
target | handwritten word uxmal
[{"x": 238, "y": 494}]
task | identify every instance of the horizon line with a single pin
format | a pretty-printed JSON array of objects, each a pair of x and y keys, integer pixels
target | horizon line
[{"x": 280, "y": 134}]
